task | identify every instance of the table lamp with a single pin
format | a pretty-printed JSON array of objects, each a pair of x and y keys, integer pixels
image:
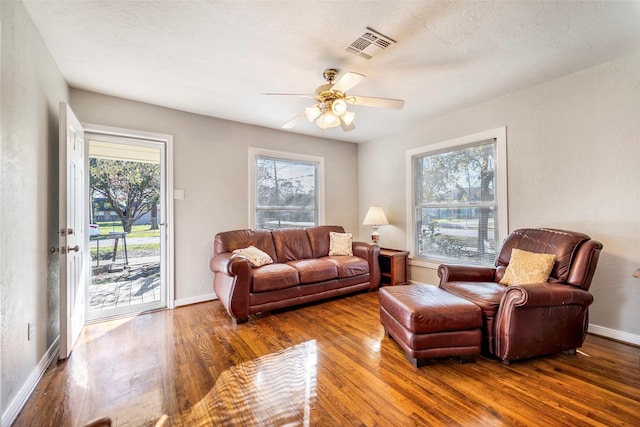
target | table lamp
[{"x": 375, "y": 217}]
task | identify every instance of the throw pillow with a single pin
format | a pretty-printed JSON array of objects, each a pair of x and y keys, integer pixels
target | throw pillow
[
  {"x": 527, "y": 267},
  {"x": 340, "y": 244},
  {"x": 256, "y": 257}
]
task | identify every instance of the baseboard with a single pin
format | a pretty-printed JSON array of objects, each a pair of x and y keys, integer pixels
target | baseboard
[
  {"x": 194, "y": 300},
  {"x": 614, "y": 334},
  {"x": 413, "y": 282},
  {"x": 12, "y": 411}
]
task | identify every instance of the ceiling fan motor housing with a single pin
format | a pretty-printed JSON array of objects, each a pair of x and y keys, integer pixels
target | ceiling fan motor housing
[
  {"x": 330, "y": 74},
  {"x": 324, "y": 94}
]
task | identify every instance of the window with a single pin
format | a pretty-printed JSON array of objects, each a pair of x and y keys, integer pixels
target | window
[
  {"x": 458, "y": 199},
  {"x": 287, "y": 190}
]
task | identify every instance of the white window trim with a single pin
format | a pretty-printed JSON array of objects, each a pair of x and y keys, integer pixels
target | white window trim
[
  {"x": 500, "y": 136},
  {"x": 254, "y": 153}
]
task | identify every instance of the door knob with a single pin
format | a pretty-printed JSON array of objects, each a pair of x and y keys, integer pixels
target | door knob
[{"x": 64, "y": 250}]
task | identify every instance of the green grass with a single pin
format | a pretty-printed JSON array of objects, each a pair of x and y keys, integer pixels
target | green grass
[
  {"x": 143, "y": 230},
  {"x": 107, "y": 253}
]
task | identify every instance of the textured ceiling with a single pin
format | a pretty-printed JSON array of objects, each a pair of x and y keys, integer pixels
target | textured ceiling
[{"x": 217, "y": 58}]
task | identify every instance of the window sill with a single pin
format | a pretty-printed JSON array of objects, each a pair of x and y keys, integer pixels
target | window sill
[{"x": 424, "y": 263}]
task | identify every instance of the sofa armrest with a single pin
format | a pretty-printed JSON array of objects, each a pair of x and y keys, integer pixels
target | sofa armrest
[
  {"x": 220, "y": 263},
  {"x": 226, "y": 263},
  {"x": 544, "y": 295},
  {"x": 232, "y": 283},
  {"x": 539, "y": 319},
  {"x": 465, "y": 273},
  {"x": 371, "y": 253}
]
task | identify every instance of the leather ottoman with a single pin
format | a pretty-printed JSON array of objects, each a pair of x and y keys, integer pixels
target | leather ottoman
[{"x": 428, "y": 322}]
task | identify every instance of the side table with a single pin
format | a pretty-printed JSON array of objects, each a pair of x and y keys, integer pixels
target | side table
[{"x": 394, "y": 267}]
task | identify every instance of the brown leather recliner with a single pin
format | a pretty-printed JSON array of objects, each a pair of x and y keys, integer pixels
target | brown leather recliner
[{"x": 534, "y": 319}]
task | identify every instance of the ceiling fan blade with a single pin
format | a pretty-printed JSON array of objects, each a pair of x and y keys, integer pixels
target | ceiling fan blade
[
  {"x": 347, "y": 127},
  {"x": 291, "y": 123},
  {"x": 368, "y": 101},
  {"x": 304, "y": 95},
  {"x": 347, "y": 81}
]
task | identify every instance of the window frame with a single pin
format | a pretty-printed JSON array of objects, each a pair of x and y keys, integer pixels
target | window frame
[
  {"x": 499, "y": 135},
  {"x": 255, "y": 153}
]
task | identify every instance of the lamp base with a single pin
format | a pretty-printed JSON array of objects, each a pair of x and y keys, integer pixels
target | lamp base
[{"x": 375, "y": 236}]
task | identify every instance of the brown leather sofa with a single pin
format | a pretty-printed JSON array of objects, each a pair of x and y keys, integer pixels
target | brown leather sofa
[
  {"x": 534, "y": 319},
  {"x": 302, "y": 270}
]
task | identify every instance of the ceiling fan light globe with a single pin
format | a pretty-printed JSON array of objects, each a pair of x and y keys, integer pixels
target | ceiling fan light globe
[
  {"x": 328, "y": 120},
  {"x": 348, "y": 117},
  {"x": 312, "y": 112},
  {"x": 331, "y": 119},
  {"x": 339, "y": 107}
]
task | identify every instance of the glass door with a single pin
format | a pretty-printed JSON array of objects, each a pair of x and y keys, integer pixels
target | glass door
[{"x": 126, "y": 226}]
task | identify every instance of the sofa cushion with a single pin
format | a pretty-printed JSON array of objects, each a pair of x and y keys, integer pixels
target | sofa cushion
[
  {"x": 291, "y": 244},
  {"x": 228, "y": 241},
  {"x": 319, "y": 239},
  {"x": 340, "y": 244},
  {"x": 527, "y": 267},
  {"x": 349, "y": 266},
  {"x": 314, "y": 270},
  {"x": 563, "y": 244},
  {"x": 272, "y": 277},
  {"x": 486, "y": 295}
]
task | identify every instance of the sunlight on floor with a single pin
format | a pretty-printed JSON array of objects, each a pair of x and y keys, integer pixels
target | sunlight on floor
[{"x": 275, "y": 389}]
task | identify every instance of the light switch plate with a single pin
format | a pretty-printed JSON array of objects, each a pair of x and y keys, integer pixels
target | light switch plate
[{"x": 178, "y": 194}]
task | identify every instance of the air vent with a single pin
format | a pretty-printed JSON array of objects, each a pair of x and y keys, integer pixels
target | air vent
[{"x": 370, "y": 43}]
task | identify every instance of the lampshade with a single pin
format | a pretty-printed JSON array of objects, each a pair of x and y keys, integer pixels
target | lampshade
[
  {"x": 348, "y": 117},
  {"x": 312, "y": 112},
  {"x": 375, "y": 216}
]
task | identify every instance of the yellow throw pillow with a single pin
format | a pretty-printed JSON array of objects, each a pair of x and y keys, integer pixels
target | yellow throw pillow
[
  {"x": 256, "y": 257},
  {"x": 528, "y": 267},
  {"x": 340, "y": 244}
]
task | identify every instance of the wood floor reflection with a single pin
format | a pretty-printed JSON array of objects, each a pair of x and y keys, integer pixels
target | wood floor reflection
[
  {"x": 322, "y": 364},
  {"x": 276, "y": 389}
]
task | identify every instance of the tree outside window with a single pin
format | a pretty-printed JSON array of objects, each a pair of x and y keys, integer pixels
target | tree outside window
[
  {"x": 130, "y": 188},
  {"x": 285, "y": 193},
  {"x": 456, "y": 209}
]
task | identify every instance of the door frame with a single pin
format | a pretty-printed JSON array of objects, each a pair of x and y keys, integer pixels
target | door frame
[{"x": 167, "y": 140}]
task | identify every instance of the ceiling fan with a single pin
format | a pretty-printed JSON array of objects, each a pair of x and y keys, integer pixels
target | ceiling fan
[{"x": 331, "y": 108}]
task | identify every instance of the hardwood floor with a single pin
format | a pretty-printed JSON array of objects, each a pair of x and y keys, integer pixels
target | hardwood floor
[{"x": 322, "y": 364}]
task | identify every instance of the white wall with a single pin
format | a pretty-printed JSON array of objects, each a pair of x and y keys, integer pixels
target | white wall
[
  {"x": 32, "y": 86},
  {"x": 211, "y": 165},
  {"x": 573, "y": 153}
]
